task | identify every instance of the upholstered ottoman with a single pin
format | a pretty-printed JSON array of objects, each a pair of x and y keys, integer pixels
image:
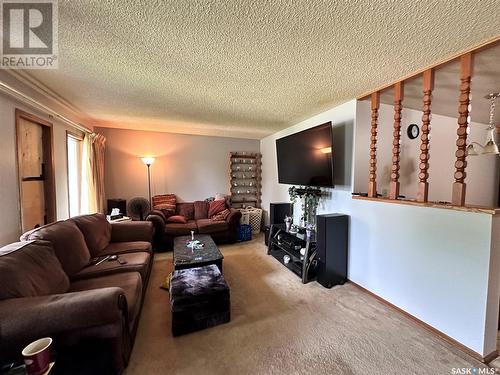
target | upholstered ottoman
[{"x": 199, "y": 298}]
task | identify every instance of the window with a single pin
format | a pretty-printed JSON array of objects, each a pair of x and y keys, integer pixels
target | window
[{"x": 74, "y": 148}]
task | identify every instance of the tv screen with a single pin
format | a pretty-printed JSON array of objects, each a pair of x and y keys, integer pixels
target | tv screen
[{"x": 306, "y": 158}]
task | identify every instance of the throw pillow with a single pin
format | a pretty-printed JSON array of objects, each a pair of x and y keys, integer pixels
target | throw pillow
[
  {"x": 166, "y": 283},
  {"x": 166, "y": 201},
  {"x": 226, "y": 197},
  {"x": 177, "y": 219},
  {"x": 216, "y": 207},
  {"x": 222, "y": 216}
]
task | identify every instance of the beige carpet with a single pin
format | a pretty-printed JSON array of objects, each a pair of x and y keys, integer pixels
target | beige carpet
[{"x": 280, "y": 326}]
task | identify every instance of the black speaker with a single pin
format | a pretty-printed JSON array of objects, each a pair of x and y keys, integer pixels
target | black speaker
[
  {"x": 117, "y": 203},
  {"x": 331, "y": 252},
  {"x": 267, "y": 228},
  {"x": 278, "y": 211}
]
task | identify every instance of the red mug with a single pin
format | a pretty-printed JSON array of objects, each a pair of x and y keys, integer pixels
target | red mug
[{"x": 37, "y": 356}]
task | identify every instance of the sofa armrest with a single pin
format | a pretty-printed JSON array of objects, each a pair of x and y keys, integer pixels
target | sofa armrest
[
  {"x": 234, "y": 218},
  {"x": 25, "y": 319},
  {"x": 159, "y": 221},
  {"x": 132, "y": 231}
]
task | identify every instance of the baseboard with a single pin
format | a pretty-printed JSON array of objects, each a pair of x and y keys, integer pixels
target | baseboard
[{"x": 487, "y": 359}]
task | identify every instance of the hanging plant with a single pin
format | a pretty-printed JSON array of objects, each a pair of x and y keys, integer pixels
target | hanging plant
[
  {"x": 292, "y": 191},
  {"x": 309, "y": 202}
]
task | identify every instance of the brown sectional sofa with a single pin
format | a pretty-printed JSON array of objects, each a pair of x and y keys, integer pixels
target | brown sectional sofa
[
  {"x": 49, "y": 286},
  {"x": 196, "y": 213}
]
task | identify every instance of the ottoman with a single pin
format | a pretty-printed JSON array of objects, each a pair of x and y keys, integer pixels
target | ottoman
[{"x": 199, "y": 298}]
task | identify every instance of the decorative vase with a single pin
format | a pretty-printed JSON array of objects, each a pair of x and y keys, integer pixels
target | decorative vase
[{"x": 288, "y": 223}]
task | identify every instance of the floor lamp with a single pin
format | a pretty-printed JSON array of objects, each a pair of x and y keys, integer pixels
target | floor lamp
[{"x": 148, "y": 161}]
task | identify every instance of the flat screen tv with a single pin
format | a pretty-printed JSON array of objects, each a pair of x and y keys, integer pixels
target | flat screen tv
[{"x": 306, "y": 158}]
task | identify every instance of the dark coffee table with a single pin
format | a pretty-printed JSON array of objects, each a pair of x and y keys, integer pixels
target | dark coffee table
[{"x": 185, "y": 257}]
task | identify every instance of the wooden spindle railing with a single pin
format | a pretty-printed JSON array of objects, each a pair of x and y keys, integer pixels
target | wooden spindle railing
[
  {"x": 459, "y": 186},
  {"x": 458, "y": 198},
  {"x": 372, "y": 184},
  {"x": 423, "y": 185},
  {"x": 398, "y": 98}
]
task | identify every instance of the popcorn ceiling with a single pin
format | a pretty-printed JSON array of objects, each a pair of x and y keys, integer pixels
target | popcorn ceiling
[{"x": 245, "y": 68}]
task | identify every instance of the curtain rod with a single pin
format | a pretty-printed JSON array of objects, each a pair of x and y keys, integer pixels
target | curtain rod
[{"x": 32, "y": 102}]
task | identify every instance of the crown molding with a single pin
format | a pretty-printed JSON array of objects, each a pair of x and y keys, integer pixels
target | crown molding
[
  {"x": 27, "y": 79},
  {"x": 33, "y": 102}
]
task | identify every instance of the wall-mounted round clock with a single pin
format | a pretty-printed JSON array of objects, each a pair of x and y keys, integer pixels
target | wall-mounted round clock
[{"x": 413, "y": 131}]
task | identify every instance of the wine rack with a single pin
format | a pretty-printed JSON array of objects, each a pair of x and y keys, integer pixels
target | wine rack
[{"x": 245, "y": 178}]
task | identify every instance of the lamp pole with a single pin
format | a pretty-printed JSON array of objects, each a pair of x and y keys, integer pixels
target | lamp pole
[
  {"x": 149, "y": 186},
  {"x": 148, "y": 161}
]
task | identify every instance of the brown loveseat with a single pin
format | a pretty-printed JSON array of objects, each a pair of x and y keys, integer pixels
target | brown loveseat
[
  {"x": 50, "y": 286},
  {"x": 196, "y": 213}
]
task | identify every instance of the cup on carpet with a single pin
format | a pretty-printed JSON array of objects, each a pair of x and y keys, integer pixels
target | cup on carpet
[{"x": 37, "y": 356}]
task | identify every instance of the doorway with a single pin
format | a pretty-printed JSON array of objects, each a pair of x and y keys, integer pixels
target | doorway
[{"x": 35, "y": 170}]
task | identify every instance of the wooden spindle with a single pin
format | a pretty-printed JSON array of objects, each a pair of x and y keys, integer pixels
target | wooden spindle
[
  {"x": 423, "y": 185},
  {"x": 372, "y": 184},
  {"x": 459, "y": 186},
  {"x": 398, "y": 98}
]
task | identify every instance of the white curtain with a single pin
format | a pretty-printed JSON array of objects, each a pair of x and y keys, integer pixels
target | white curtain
[
  {"x": 92, "y": 197},
  {"x": 98, "y": 147}
]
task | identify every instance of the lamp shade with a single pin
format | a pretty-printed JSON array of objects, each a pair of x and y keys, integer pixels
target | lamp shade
[
  {"x": 148, "y": 160},
  {"x": 471, "y": 151},
  {"x": 490, "y": 148}
]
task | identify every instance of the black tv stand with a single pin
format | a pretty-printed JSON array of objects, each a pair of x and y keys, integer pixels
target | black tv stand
[{"x": 281, "y": 243}]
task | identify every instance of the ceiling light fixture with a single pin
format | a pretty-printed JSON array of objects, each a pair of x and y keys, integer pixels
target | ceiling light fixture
[{"x": 490, "y": 147}]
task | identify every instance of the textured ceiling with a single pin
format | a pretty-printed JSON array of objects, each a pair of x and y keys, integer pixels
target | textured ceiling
[{"x": 245, "y": 67}]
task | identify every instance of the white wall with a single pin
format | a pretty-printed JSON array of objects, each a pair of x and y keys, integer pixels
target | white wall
[
  {"x": 191, "y": 166},
  {"x": 433, "y": 263},
  {"x": 482, "y": 176},
  {"x": 10, "y": 220}
]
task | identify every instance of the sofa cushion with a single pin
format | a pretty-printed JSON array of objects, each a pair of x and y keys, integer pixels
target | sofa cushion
[
  {"x": 201, "y": 210},
  {"x": 222, "y": 216},
  {"x": 177, "y": 219},
  {"x": 130, "y": 282},
  {"x": 216, "y": 207},
  {"x": 138, "y": 262},
  {"x": 185, "y": 209},
  {"x": 69, "y": 244},
  {"x": 30, "y": 269},
  {"x": 175, "y": 229},
  {"x": 96, "y": 230},
  {"x": 206, "y": 226},
  {"x": 127, "y": 247}
]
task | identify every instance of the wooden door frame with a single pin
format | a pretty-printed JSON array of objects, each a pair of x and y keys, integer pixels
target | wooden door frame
[{"x": 48, "y": 157}]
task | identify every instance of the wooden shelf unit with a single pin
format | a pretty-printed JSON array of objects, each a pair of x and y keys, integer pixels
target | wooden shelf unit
[{"x": 245, "y": 177}]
